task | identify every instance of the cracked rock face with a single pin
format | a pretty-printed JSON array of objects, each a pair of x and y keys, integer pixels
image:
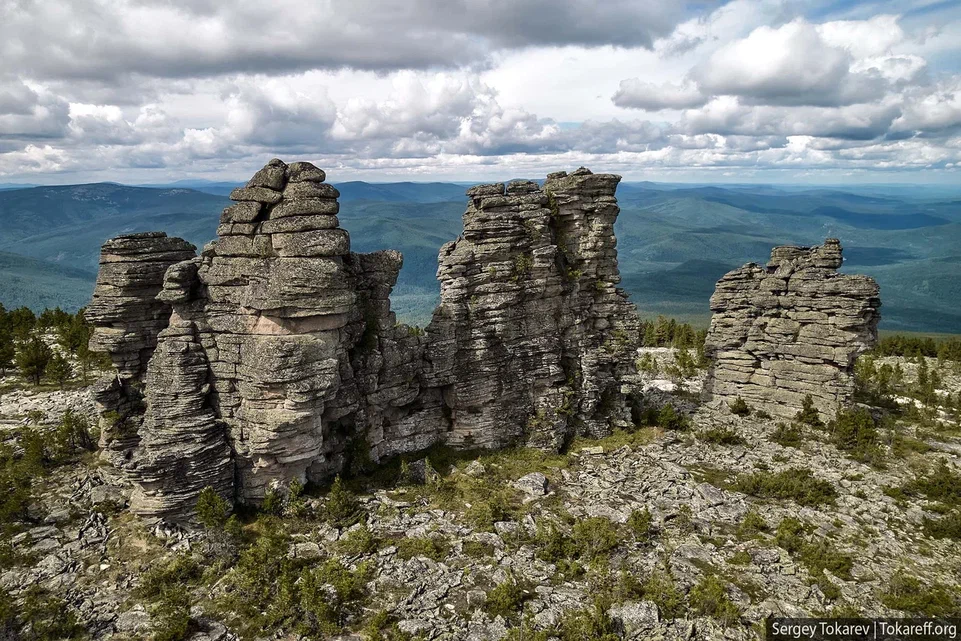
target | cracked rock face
[
  {"x": 127, "y": 317},
  {"x": 792, "y": 328},
  {"x": 280, "y": 359}
]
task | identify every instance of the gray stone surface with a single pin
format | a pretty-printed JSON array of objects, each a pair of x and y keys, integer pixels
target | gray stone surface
[
  {"x": 281, "y": 341},
  {"x": 790, "y": 329}
]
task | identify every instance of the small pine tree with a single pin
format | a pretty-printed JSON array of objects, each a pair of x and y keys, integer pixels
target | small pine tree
[
  {"x": 212, "y": 509},
  {"x": 342, "y": 508},
  {"x": 7, "y": 354},
  {"x": 33, "y": 358},
  {"x": 59, "y": 370},
  {"x": 808, "y": 414}
]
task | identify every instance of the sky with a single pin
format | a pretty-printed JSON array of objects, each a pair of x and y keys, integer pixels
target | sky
[{"x": 748, "y": 91}]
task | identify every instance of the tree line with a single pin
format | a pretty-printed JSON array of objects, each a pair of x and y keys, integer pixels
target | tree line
[{"x": 46, "y": 346}]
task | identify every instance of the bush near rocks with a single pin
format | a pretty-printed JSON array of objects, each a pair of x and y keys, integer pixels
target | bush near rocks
[
  {"x": 854, "y": 431},
  {"x": 808, "y": 414},
  {"x": 739, "y": 407},
  {"x": 910, "y": 595},
  {"x": 797, "y": 484},
  {"x": 709, "y": 598},
  {"x": 787, "y": 435},
  {"x": 508, "y": 598},
  {"x": 410, "y": 547},
  {"x": 720, "y": 436}
]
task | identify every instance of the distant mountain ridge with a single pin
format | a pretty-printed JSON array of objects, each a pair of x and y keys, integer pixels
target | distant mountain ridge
[{"x": 674, "y": 241}]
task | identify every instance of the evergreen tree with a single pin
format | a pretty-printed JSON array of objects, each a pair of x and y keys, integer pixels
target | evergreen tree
[
  {"x": 59, "y": 370},
  {"x": 32, "y": 359},
  {"x": 7, "y": 353}
]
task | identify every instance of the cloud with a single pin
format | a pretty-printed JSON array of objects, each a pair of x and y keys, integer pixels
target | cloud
[
  {"x": 30, "y": 113},
  {"x": 107, "y": 39},
  {"x": 635, "y": 94},
  {"x": 467, "y": 88},
  {"x": 790, "y": 65}
]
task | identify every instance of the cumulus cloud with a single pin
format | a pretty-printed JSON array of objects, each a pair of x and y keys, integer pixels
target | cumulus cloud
[
  {"x": 110, "y": 38},
  {"x": 429, "y": 88},
  {"x": 635, "y": 94}
]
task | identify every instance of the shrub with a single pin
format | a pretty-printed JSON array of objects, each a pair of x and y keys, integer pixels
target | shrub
[
  {"x": 640, "y": 523},
  {"x": 212, "y": 509},
  {"x": 72, "y": 436},
  {"x": 322, "y": 611},
  {"x": 798, "y": 484},
  {"x": 590, "y": 623},
  {"x": 752, "y": 525},
  {"x": 661, "y": 590},
  {"x": 360, "y": 540},
  {"x": 821, "y": 555},
  {"x": 59, "y": 370},
  {"x": 477, "y": 550},
  {"x": 507, "y": 599},
  {"x": 33, "y": 358},
  {"x": 947, "y": 527},
  {"x": 342, "y": 508},
  {"x": 49, "y": 617},
  {"x": 594, "y": 537},
  {"x": 709, "y": 598},
  {"x": 787, "y": 435},
  {"x": 808, "y": 414},
  {"x": 720, "y": 436},
  {"x": 180, "y": 571},
  {"x": 854, "y": 431},
  {"x": 739, "y": 407},
  {"x": 408, "y": 548},
  {"x": 942, "y": 484},
  {"x": 790, "y": 534},
  {"x": 170, "y": 616},
  {"x": 669, "y": 419},
  {"x": 908, "y": 594}
]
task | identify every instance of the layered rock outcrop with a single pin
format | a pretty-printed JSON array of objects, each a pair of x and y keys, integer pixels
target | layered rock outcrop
[
  {"x": 791, "y": 329},
  {"x": 279, "y": 357},
  {"x": 127, "y": 316}
]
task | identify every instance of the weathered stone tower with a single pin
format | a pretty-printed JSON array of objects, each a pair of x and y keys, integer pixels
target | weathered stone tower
[
  {"x": 791, "y": 329},
  {"x": 274, "y": 354}
]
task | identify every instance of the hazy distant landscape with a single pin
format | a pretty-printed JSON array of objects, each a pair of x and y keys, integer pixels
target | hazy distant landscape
[{"x": 674, "y": 240}]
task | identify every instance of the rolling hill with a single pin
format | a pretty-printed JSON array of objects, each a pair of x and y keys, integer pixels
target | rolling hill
[{"x": 674, "y": 241}]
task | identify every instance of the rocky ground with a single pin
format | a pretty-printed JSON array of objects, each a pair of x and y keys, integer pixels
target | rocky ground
[{"x": 681, "y": 529}]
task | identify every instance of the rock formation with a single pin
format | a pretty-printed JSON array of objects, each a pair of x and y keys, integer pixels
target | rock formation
[
  {"x": 791, "y": 329},
  {"x": 278, "y": 357},
  {"x": 127, "y": 317}
]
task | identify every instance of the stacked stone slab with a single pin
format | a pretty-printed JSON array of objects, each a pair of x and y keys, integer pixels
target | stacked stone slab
[
  {"x": 282, "y": 359},
  {"x": 791, "y": 329},
  {"x": 531, "y": 332},
  {"x": 127, "y": 317}
]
